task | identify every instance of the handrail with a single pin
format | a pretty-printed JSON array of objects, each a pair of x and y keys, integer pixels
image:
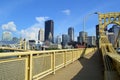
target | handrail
[
  {"x": 34, "y": 65},
  {"x": 111, "y": 63}
]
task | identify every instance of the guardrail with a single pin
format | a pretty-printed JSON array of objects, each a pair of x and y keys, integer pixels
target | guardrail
[
  {"x": 111, "y": 63},
  {"x": 35, "y": 65},
  {"x": 116, "y": 61}
]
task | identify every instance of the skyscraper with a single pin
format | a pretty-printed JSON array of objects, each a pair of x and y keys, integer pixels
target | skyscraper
[
  {"x": 91, "y": 41},
  {"x": 58, "y": 40},
  {"x": 7, "y": 36},
  {"x": 65, "y": 39},
  {"x": 71, "y": 33},
  {"x": 82, "y": 37},
  {"x": 41, "y": 35},
  {"x": 49, "y": 30}
]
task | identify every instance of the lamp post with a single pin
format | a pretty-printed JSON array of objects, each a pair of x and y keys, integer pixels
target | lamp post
[{"x": 84, "y": 20}]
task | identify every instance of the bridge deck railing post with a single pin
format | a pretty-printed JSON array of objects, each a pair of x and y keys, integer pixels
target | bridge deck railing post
[
  {"x": 53, "y": 64},
  {"x": 64, "y": 59},
  {"x": 30, "y": 66}
]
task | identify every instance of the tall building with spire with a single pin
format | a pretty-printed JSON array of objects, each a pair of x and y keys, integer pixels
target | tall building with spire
[
  {"x": 41, "y": 35},
  {"x": 49, "y": 30}
]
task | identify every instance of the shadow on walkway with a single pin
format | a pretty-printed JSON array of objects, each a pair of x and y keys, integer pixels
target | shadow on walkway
[
  {"x": 92, "y": 67},
  {"x": 88, "y": 67}
]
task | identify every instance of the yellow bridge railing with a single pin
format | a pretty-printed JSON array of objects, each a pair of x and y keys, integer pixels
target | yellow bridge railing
[
  {"x": 35, "y": 65},
  {"x": 111, "y": 60}
]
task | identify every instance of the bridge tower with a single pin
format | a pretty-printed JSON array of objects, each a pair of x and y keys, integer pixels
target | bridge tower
[{"x": 104, "y": 21}]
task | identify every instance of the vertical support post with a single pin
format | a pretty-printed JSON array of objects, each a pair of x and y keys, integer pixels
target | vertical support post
[
  {"x": 77, "y": 55},
  {"x": 51, "y": 54},
  {"x": 19, "y": 56},
  {"x": 79, "y": 52},
  {"x": 65, "y": 59},
  {"x": 24, "y": 45},
  {"x": 30, "y": 66},
  {"x": 53, "y": 66},
  {"x": 27, "y": 69},
  {"x": 72, "y": 56}
]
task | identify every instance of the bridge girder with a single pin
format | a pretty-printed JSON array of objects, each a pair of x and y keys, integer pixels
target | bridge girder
[
  {"x": 104, "y": 21},
  {"x": 110, "y": 57}
]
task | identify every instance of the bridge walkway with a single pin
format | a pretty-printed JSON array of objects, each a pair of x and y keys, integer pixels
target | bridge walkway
[{"x": 89, "y": 67}]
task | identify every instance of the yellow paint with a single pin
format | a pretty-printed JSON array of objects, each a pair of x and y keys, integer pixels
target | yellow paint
[{"x": 67, "y": 56}]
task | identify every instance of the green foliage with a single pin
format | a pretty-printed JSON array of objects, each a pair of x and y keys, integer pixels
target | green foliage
[{"x": 1, "y": 50}]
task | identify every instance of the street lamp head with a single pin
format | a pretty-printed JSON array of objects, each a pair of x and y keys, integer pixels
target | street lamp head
[{"x": 97, "y": 13}]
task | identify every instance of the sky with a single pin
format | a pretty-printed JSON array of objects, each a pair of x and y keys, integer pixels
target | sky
[{"x": 23, "y": 18}]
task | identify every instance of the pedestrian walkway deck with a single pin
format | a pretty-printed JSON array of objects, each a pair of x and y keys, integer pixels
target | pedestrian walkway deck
[{"x": 89, "y": 67}]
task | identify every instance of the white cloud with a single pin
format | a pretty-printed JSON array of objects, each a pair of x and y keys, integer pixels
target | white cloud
[
  {"x": 41, "y": 19},
  {"x": 32, "y": 32},
  {"x": 10, "y": 26},
  {"x": 66, "y": 12}
]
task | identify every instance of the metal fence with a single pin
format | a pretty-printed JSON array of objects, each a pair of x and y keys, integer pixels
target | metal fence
[
  {"x": 35, "y": 65},
  {"x": 111, "y": 61}
]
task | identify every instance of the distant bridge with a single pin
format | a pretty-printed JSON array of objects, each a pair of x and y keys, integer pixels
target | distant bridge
[{"x": 12, "y": 49}]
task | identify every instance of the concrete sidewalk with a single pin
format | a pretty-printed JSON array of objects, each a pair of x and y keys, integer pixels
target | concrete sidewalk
[{"x": 90, "y": 67}]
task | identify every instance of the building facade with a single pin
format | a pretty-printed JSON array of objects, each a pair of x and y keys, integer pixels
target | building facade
[
  {"x": 41, "y": 35},
  {"x": 49, "y": 30},
  {"x": 91, "y": 41},
  {"x": 71, "y": 33},
  {"x": 82, "y": 38},
  {"x": 65, "y": 39},
  {"x": 58, "y": 40},
  {"x": 32, "y": 44}
]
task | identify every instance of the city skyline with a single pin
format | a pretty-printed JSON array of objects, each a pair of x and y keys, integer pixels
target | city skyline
[{"x": 24, "y": 18}]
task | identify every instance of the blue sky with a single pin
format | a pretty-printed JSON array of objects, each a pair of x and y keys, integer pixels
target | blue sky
[{"x": 25, "y": 17}]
